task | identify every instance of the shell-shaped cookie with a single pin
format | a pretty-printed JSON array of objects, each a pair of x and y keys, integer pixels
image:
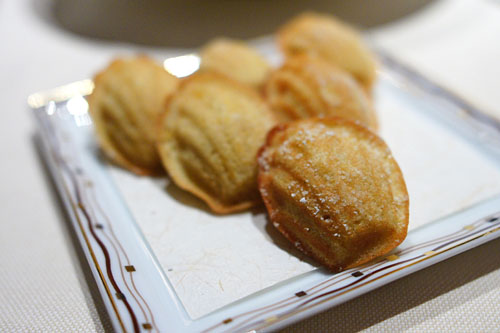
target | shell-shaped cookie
[
  {"x": 334, "y": 190},
  {"x": 236, "y": 60},
  {"x": 127, "y": 99},
  {"x": 326, "y": 37},
  {"x": 209, "y": 137},
  {"x": 306, "y": 87}
]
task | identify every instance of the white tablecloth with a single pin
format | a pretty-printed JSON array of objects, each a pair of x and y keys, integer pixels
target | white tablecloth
[{"x": 44, "y": 280}]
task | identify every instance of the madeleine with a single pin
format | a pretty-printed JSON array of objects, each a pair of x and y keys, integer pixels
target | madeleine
[
  {"x": 325, "y": 37},
  {"x": 235, "y": 60},
  {"x": 125, "y": 104},
  {"x": 209, "y": 137},
  {"x": 307, "y": 87},
  {"x": 334, "y": 190}
]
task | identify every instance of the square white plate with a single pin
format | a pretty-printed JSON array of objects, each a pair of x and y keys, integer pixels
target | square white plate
[{"x": 448, "y": 151}]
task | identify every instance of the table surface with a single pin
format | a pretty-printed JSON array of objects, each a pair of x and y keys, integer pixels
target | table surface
[{"x": 46, "y": 283}]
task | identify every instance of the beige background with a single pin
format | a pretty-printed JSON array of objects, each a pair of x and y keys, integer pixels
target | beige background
[{"x": 44, "y": 279}]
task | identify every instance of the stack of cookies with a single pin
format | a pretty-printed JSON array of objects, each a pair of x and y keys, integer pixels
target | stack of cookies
[{"x": 301, "y": 138}]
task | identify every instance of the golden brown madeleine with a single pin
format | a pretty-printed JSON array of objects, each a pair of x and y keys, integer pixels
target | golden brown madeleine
[
  {"x": 324, "y": 36},
  {"x": 127, "y": 99},
  {"x": 209, "y": 137},
  {"x": 306, "y": 87},
  {"x": 236, "y": 60},
  {"x": 334, "y": 190}
]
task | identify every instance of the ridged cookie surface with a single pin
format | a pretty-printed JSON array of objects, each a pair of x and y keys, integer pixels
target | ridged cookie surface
[
  {"x": 306, "y": 87},
  {"x": 209, "y": 137},
  {"x": 324, "y": 36},
  {"x": 334, "y": 190},
  {"x": 127, "y": 99},
  {"x": 236, "y": 60}
]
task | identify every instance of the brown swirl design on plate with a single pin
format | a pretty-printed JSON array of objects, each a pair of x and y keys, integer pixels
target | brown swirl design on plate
[
  {"x": 128, "y": 267},
  {"x": 80, "y": 201}
]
